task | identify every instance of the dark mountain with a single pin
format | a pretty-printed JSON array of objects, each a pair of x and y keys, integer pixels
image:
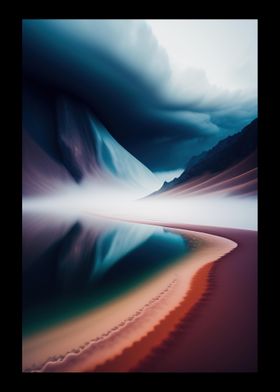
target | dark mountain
[{"x": 222, "y": 156}]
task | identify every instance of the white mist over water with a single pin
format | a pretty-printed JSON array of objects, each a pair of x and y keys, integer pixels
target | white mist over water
[{"x": 231, "y": 212}]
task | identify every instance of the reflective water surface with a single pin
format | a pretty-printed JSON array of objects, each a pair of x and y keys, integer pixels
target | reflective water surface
[{"x": 71, "y": 266}]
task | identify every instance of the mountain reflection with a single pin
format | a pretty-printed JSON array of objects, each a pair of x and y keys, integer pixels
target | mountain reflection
[{"x": 70, "y": 267}]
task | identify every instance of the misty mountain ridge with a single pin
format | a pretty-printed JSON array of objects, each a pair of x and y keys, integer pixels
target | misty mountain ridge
[{"x": 223, "y": 155}]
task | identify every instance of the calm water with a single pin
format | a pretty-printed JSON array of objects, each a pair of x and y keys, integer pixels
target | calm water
[{"x": 70, "y": 267}]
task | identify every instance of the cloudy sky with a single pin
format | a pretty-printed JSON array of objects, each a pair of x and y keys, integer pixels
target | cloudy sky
[
  {"x": 224, "y": 50},
  {"x": 165, "y": 89}
]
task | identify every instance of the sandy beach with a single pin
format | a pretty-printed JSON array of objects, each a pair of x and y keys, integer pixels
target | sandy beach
[
  {"x": 108, "y": 339},
  {"x": 220, "y": 332}
]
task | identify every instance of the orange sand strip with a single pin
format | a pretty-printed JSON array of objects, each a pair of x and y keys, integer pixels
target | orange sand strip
[{"x": 131, "y": 356}]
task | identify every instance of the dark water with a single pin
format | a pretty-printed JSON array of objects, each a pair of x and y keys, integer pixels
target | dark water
[{"x": 72, "y": 267}]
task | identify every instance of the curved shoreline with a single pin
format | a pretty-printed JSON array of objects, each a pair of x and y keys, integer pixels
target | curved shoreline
[
  {"x": 218, "y": 247},
  {"x": 144, "y": 349},
  {"x": 59, "y": 363}
]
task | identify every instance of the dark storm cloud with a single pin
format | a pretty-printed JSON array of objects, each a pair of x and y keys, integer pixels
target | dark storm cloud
[{"x": 120, "y": 71}]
